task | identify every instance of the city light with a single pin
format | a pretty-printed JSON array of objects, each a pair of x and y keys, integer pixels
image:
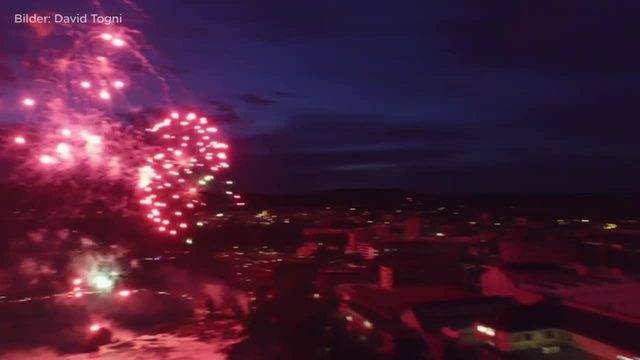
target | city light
[{"x": 485, "y": 330}]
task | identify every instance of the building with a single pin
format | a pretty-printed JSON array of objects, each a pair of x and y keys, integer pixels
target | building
[
  {"x": 530, "y": 284},
  {"x": 374, "y": 315},
  {"x": 554, "y": 329}
]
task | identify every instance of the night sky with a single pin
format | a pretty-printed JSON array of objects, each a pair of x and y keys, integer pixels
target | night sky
[{"x": 449, "y": 96}]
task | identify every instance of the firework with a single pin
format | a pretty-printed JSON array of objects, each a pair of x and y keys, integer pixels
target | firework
[
  {"x": 75, "y": 140},
  {"x": 189, "y": 159}
]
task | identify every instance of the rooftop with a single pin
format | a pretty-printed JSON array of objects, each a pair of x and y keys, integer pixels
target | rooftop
[
  {"x": 615, "y": 296},
  {"x": 390, "y": 303}
]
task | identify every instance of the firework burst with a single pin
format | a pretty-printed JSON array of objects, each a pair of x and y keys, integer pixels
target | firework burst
[
  {"x": 190, "y": 156},
  {"x": 71, "y": 136}
]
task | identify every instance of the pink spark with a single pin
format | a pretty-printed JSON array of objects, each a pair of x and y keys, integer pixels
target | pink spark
[
  {"x": 47, "y": 159},
  {"x": 118, "y": 42},
  {"x": 104, "y": 95},
  {"x": 63, "y": 149}
]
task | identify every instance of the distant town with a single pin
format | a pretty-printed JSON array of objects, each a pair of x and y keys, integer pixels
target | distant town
[
  {"x": 454, "y": 281},
  {"x": 394, "y": 275}
]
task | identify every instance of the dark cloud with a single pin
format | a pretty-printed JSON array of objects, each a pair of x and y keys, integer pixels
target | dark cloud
[
  {"x": 224, "y": 112},
  {"x": 142, "y": 116},
  {"x": 323, "y": 150},
  {"x": 335, "y": 129},
  {"x": 283, "y": 93},
  {"x": 313, "y": 150},
  {"x": 255, "y": 100}
]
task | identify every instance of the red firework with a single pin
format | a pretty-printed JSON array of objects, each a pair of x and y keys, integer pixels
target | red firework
[
  {"x": 189, "y": 159},
  {"x": 73, "y": 132}
]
